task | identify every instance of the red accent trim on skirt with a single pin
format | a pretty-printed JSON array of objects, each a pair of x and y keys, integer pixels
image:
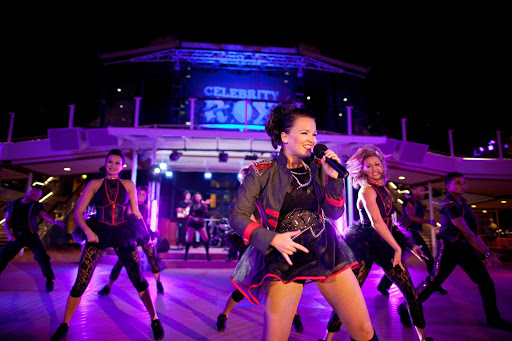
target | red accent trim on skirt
[{"x": 247, "y": 292}]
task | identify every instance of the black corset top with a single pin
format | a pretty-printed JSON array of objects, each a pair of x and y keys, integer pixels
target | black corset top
[{"x": 111, "y": 201}]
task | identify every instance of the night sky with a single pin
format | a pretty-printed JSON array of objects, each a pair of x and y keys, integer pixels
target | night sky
[{"x": 440, "y": 72}]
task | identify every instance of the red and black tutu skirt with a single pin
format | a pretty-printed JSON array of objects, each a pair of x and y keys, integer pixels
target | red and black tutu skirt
[
  {"x": 328, "y": 255},
  {"x": 368, "y": 245},
  {"x": 124, "y": 234}
]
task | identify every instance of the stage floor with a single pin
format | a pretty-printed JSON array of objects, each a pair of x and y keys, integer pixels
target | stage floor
[{"x": 194, "y": 296}]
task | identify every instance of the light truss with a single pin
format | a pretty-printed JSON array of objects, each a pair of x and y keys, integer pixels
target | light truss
[{"x": 244, "y": 60}]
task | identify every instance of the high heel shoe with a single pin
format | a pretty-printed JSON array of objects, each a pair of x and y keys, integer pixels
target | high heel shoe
[
  {"x": 61, "y": 332},
  {"x": 158, "y": 331}
]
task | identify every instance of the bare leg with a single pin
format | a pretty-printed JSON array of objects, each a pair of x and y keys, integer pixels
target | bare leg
[
  {"x": 71, "y": 306},
  {"x": 148, "y": 303},
  {"x": 230, "y": 304},
  {"x": 280, "y": 308},
  {"x": 345, "y": 297}
]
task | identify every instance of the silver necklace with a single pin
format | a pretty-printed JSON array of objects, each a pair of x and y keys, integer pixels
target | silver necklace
[{"x": 301, "y": 184}]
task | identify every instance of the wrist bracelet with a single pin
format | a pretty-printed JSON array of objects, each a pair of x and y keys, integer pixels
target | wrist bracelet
[{"x": 486, "y": 255}]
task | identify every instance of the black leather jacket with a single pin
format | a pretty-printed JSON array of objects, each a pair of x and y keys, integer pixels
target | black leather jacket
[{"x": 265, "y": 188}]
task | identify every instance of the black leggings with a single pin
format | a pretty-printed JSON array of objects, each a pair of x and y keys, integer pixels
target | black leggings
[
  {"x": 150, "y": 254},
  {"x": 90, "y": 258},
  {"x": 402, "y": 280},
  {"x": 33, "y": 242}
]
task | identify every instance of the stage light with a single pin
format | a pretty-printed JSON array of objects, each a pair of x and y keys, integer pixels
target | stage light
[
  {"x": 207, "y": 175},
  {"x": 223, "y": 157},
  {"x": 168, "y": 174},
  {"x": 155, "y": 169},
  {"x": 251, "y": 157},
  {"x": 175, "y": 155},
  {"x": 162, "y": 166}
]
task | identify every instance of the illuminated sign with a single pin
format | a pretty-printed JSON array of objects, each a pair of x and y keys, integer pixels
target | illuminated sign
[{"x": 236, "y": 100}]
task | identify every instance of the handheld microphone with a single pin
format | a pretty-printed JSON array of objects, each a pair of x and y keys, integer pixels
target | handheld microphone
[{"x": 319, "y": 151}]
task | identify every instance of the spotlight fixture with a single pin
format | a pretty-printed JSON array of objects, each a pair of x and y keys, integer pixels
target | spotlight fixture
[
  {"x": 252, "y": 157},
  {"x": 207, "y": 175},
  {"x": 175, "y": 155},
  {"x": 223, "y": 157}
]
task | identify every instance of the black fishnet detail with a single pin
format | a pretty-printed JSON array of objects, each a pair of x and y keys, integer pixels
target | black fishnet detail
[
  {"x": 88, "y": 262},
  {"x": 151, "y": 256},
  {"x": 403, "y": 281},
  {"x": 130, "y": 258}
]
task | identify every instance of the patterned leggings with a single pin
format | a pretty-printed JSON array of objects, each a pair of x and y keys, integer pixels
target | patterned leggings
[
  {"x": 402, "y": 280},
  {"x": 150, "y": 254},
  {"x": 89, "y": 260}
]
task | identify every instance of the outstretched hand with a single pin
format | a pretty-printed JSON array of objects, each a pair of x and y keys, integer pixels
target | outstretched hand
[{"x": 283, "y": 243}]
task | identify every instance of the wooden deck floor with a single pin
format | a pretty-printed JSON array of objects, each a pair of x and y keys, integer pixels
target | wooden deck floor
[{"x": 195, "y": 295}]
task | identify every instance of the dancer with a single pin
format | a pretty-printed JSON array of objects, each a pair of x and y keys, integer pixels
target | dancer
[
  {"x": 414, "y": 210},
  {"x": 21, "y": 228},
  {"x": 236, "y": 296},
  {"x": 110, "y": 228},
  {"x": 461, "y": 244},
  {"x": 374, "y": 238},
  {"x": 295, "y": 240},
  {"x": 149, "y": 249},
  {"x": 195, "y": 222}
]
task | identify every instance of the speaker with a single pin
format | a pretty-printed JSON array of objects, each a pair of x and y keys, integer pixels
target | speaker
[
  {"x": 99, "y": 137},
  {"x": 62, "y": 139},
  {"x": 411, "y": 152},
  {"x": 162, "y": 245},
  {"x": 389, "y": 147}
]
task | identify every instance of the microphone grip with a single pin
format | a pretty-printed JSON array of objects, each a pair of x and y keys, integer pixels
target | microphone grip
[{"x": 339, "y": 168}]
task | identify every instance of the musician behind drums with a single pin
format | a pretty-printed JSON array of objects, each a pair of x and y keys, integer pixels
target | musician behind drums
[{"x": 182, "y": 212}]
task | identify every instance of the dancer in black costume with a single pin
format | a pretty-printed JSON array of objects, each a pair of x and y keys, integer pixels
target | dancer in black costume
[
  {"x": 414, "y": 211},
  {"x": 110, "y": 227},
  {"x": 21, "y": 227},
  {"x": 374, "y": 238},
  {"x": 148, "y": 248},
  {"x": 295, "y": 240},
  {"x": 461, "y": 244},
  {"x": 195, "y": 222}
]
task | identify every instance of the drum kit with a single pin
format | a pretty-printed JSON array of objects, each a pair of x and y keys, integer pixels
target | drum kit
[{"x": 219, "y": 230}]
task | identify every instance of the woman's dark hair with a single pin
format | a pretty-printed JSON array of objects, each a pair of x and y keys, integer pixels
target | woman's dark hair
[
  {"x": 281, "y": 119},
  {"x": 117, "y": 152}
]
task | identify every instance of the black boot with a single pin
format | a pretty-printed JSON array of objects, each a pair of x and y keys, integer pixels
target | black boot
[
  {"x": 405, "y": 318},
  {"x": 207, "y": 248},
  {"x": 187, "y": 247},
  {"x": 61, "y": 332},
  {"x": 158, "y": 331},
  {"x": 221, "y": 322},
  {"x": 297, "y": 324}
]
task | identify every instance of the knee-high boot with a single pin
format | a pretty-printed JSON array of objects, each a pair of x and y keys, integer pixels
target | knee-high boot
[
  {"x": 187, "y": 246},
  {"x": 207, "y": 248}
]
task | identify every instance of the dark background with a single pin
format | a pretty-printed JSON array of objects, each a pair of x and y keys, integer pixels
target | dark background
[{"x": 440, "y": 69}]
